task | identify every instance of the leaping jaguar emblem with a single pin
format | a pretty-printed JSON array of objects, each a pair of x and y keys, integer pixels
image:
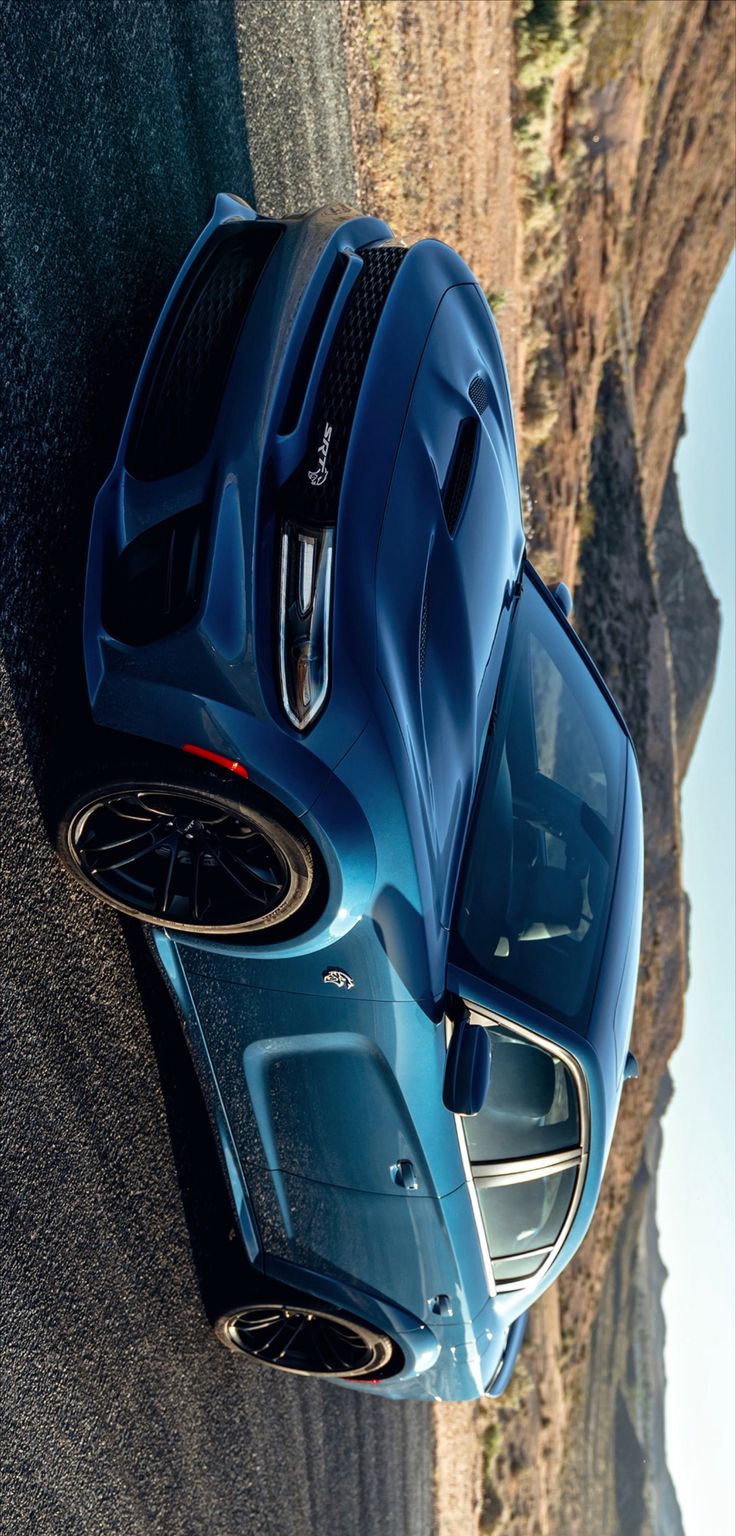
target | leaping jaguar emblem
[{"x": 339, "y": 979}]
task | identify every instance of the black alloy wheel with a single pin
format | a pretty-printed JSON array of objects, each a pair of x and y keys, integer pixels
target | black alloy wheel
[
  {"x": 306, "y": 1341},
  {"x": 197, "y": 860}
]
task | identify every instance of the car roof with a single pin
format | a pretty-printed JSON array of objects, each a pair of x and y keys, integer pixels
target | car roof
[{"x": 612, "y": 1013}]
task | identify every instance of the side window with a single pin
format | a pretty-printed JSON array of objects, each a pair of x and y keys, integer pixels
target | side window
[
  {"x": 523, "y": 1220},
  {"x": 526, "y": 1150},
  {"x": 531, "y": 1107}
]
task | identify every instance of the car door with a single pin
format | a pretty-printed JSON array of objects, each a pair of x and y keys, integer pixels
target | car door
[{"x": 352, "y": 1162}]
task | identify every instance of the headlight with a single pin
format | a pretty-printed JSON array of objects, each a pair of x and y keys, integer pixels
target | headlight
[{"x": 304, "y": 620}]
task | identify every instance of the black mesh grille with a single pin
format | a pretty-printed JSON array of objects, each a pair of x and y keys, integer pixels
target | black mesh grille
[
  {"x": 186, "y": 379},
  {"x": 343, "y": 377},
  {"x": 479, "y": 394},
  {"x": 459, "y": 473}
]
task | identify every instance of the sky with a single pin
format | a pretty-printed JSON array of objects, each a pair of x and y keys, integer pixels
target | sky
[{"x": 696, "y": 1199}]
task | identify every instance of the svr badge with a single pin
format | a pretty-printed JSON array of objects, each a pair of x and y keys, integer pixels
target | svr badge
[{"x": 338, "y": 979}]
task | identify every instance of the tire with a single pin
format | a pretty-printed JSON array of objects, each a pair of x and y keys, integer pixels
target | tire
[
  {"x": 307, "y": 1340},
  {"x": 185, "y": 850}
]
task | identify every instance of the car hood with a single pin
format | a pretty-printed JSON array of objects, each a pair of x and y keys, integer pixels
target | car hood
[{"x": 449, "y": 555}]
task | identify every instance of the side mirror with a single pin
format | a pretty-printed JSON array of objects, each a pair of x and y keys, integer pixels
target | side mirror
[
  {"x": 563, "y": 596},
  {"x": 631, "y": 1067},
  {"x": 468, "y": 1067}
]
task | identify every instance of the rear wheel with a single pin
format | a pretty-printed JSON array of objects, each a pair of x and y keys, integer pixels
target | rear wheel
[
  {"x": 306, "y": 1340},
  {"x": 185, "y": 852}
]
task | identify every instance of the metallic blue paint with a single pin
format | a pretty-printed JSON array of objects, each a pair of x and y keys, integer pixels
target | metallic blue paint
[
  {"x": 510, "y": 1356},
  {"x": 314, "y": 1093}
]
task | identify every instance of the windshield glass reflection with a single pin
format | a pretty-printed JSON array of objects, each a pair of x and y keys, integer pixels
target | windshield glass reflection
[{"x": 538, "y": 880}]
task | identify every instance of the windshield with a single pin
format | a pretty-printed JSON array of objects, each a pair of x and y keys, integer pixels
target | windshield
[{"x": 541, "y": 861}]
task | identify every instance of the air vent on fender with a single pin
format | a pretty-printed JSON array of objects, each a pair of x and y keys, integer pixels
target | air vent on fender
[
  {"x": 154, "y": 587},
  {"x": 460, "y": 471}
]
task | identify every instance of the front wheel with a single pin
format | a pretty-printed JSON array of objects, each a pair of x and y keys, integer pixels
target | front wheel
[
  {"x": 187, "y": 853},
  {"x": 307, "y": 1341}
]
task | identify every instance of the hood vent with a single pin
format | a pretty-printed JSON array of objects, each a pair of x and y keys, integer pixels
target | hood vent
[
  {"x": 479, "y": 394},
  {"x": 460, "y": 472}
]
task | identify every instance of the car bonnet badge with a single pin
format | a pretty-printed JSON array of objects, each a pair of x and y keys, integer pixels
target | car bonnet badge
[{"x": 338, "y": 979}]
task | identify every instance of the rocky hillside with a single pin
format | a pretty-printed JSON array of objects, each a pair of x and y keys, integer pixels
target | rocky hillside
[
  {"x": 616, "y": 1476},
  {"x": 581, "y": 157},
  {"x": 640, "y": 154},
  {"x": 692, "y": 620}
]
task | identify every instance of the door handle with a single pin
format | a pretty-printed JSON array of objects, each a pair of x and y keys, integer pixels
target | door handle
[{"x": 403, "y": 1174}]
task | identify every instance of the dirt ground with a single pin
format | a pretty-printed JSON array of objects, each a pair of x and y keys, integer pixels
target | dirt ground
[
  {"x": 458, "y": 1468},
  {"x": 430, "y": 87}
]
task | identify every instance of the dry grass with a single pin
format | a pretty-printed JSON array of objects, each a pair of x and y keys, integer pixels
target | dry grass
[
  {"x": 431, "y": 98},
  {"x": 458, "y": 1467}
]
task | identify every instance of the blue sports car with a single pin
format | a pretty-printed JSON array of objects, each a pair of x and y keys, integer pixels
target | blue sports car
[{"x": 368, "y": 790}]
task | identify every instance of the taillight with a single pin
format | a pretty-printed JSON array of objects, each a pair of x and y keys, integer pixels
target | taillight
[{"x": 216, "y": 757}]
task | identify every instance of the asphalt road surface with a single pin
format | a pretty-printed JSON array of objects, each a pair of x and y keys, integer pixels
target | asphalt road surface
[{"x": 120, "y": 122}]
